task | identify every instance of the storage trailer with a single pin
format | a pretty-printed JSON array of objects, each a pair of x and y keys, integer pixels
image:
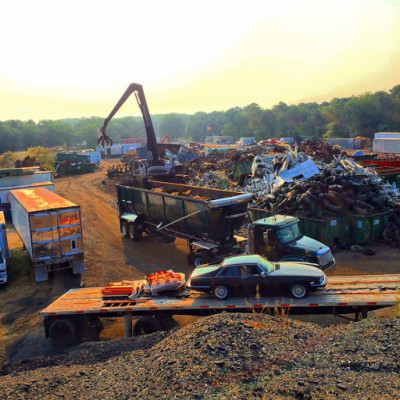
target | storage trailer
[{"x": 50, "y": 228}]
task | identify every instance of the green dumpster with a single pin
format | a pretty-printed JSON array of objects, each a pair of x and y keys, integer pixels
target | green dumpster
[
  {"x": 360, "y": 229},
  {"x": 334, "y": 231},
  {"x": 378, "y": 223}
]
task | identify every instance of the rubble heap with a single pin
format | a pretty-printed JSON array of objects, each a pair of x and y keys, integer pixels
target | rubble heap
[{"x": 341, "y": 188}]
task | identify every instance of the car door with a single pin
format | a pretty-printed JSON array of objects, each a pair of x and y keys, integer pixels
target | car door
[
  {"x": 250, "y": 277},
  {"x": 229, "y": 276}
]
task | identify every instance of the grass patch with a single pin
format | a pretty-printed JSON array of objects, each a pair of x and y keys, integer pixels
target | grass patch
[{"x": 19, "y": 265}]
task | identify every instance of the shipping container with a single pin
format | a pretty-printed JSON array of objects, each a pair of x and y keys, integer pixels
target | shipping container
[
  {"x": 50, "y": 228},
  {"x": 387, "y": 135},
  {"x": 390, "y": 146},
  {"x": 346, "y": 143}
]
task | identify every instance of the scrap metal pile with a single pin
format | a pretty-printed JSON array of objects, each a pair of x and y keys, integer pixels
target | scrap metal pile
[
  {"x": 341, "y": 188},
  {"x": 318, "y": 183}
]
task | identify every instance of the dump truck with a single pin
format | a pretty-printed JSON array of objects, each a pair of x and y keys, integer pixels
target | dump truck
[
  {"x": 50, "y": 228},
  {"x": 209, "y": 219},
  {"x": 206, "y": 218}
]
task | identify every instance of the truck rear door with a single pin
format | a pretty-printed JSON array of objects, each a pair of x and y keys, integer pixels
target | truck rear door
[
  {"x": 70, "y": 232},
  {"x": 44, "y": 234}
]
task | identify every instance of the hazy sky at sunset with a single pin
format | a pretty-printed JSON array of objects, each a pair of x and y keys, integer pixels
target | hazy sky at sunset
[{"x": 75, "y": 58}]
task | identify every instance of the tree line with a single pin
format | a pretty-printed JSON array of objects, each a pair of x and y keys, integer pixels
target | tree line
[{"x": 361, "y": 115}]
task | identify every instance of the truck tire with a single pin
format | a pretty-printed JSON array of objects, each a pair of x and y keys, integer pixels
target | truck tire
[
  {"x": 62, "y": 332},
  {"x": 125, "y": 229},
  {"x": 201, "y": 257},
  {"x": 146, "y": 325},
  {"x": 298, "y": 290},
  {"x": 134, "y": 233},
  {"x": 221, "y": 292}
]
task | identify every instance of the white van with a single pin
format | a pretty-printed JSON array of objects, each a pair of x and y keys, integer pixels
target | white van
[{"x": 246, "y": 141}]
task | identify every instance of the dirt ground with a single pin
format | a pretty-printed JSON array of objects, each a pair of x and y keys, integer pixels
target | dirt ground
[{"x": 109, "y": 257}]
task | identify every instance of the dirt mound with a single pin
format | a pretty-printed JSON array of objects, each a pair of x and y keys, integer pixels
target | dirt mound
[{"x": 242, "y": 356}]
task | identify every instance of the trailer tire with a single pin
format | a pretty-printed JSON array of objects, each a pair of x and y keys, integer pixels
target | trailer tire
[
  {"x": 146, "y": 325},
  {"x": 201, "y": 257},
  {"x": 125, "y": 229},
  {"x": 221, "y": 292},
  {"x": 134, "y": 233},
  {"x": 62, "y": 332},
  {"x": 299, "y": 290}
]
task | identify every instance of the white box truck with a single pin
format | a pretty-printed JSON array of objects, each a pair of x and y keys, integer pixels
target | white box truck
[{"x": 50, "y": 228}]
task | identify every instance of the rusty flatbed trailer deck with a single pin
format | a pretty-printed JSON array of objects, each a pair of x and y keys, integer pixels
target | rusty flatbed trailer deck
[{"x": 342, "y": 295}]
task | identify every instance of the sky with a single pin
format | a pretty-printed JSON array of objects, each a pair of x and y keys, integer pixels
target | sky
[{"x": 73, "y": 59}]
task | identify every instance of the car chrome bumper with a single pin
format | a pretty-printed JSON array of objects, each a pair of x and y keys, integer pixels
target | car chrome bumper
[{"x": 320, "y": 284}]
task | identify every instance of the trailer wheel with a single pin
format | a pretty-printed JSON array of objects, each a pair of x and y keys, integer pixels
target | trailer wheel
[
  {"x": 146, "y": 325},
  {"x": 134, "y": 233},
  {"x": 62, "y": 332},
  {"x": 201, "y": 257},
  {"x": 221, "y": 292},
  {"x": 299, "y": 290},
  {"x": 125, "y": 229}
]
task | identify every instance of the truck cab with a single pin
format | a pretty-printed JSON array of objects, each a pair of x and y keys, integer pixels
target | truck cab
[{"x": 278, "y": 238}]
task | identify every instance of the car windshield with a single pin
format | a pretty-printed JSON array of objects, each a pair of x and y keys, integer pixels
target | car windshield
[
  {"x": 267, "y": 266},
  {"x": 288, "y": 234}
]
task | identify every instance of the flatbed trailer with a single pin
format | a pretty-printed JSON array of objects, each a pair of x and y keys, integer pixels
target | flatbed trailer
[{"x": 65, "y": 318}]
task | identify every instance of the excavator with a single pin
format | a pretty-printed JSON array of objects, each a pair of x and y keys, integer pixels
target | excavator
[{"x": 152, "y": 166}]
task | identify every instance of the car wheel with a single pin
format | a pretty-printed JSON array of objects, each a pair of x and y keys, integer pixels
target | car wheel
[
  {"x": 201, "y": 257},
  {"x": 299, "y": 290},
  {"x": 62, "y": 332},
  {"x": 134, "y": 233},
  {"x": 146, "y": 325},
  {"x": 221, "y": 292},
  {"x": 124, "y": 229}
]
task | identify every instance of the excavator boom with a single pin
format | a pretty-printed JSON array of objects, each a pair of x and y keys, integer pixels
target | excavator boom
[{"x": 141, "y": 100}]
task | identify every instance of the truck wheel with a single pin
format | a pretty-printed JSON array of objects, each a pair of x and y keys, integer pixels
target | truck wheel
[
  {"x": 62, "y": 332},
  {"x": 134, "y": 233},
  {"x": 201, "y": 257},
  {"x": 146, "y": 325},
  {"x": 299, "y": 290},
  {"x": 221, "y": 292},
  {"x": 125, "y": 229}
]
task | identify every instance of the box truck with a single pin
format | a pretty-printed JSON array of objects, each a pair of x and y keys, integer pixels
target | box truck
[{"x": 50, "y": 228}]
